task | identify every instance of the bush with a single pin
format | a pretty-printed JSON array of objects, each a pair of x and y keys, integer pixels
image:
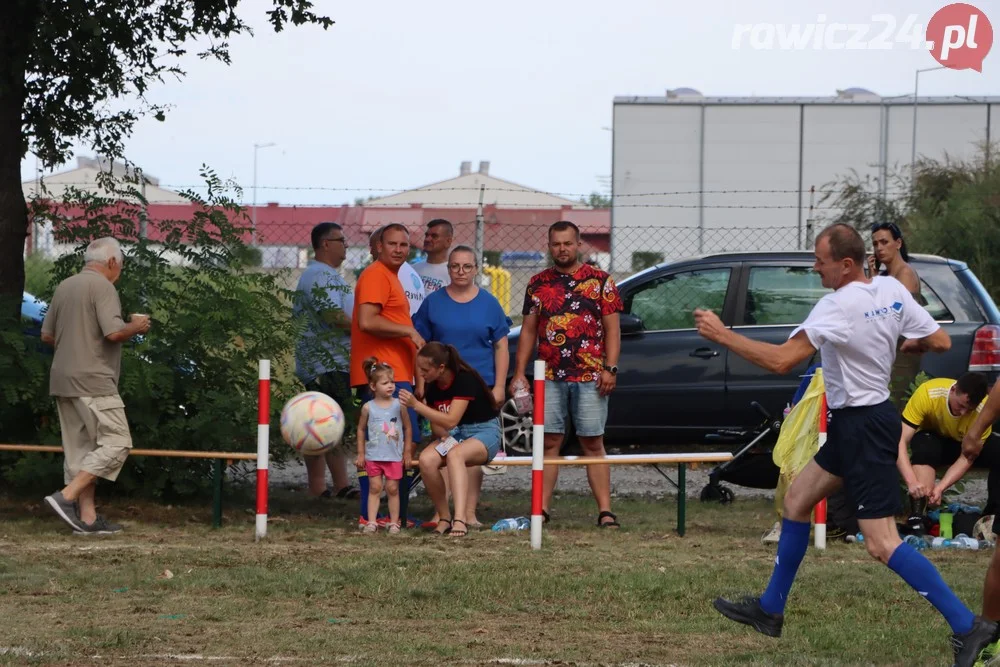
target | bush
[
  {"x": 645, "y": 259},
  {"x": 191, "y": 383}
]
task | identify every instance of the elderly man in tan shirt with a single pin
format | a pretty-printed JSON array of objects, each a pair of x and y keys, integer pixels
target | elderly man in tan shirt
[{"x": 84, "y": 323}]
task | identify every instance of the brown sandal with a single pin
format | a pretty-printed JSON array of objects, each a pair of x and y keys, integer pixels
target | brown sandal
[
  {"x": 459, "y": 532},
  {"x": 446, "y": 530},
  {"x": 608, "y": 524}
]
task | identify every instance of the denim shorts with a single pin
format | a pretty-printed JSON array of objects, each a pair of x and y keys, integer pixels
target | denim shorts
[
  {"x": 581, "y": 402},
  {"x": 487, "y": 433}
]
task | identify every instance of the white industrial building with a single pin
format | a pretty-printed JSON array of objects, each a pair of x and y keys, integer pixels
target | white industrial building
[{"x": 695, "y": 174}]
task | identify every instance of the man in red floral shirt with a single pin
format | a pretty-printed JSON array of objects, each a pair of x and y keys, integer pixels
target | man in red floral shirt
[{"x": 572, "y": 309}]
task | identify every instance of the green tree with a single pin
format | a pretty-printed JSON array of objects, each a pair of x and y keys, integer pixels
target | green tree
[
  {"x": 65, "y": 67},
  {"x": 596, "y": 200},
  {"x": 192, "y": 382},
  {"x": 952, "y": 209}
]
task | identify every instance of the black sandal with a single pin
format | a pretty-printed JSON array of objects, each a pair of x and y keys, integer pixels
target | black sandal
[
  {"x": 545, "y": 517},
  {"x": 608, "y": 524},
  {"x": 446, "y": 530},
  {"x": 455, "y": 532}
]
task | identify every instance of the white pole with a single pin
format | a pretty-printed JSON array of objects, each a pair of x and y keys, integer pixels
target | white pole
[{"x": 537, "y": 455}]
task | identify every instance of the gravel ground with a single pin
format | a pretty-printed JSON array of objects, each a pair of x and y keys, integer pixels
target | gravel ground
[{"x": 641, "y": 481}]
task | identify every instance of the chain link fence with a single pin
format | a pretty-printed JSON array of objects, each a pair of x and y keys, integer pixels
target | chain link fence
[
  {"x": 509, "y": 234},
  {"x": 510, "y": 255}
]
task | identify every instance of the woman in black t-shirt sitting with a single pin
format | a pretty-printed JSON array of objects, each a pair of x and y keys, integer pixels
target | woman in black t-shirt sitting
[{"x": 464, "y": 415}]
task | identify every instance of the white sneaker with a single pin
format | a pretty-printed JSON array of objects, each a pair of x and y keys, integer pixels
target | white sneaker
[{"x": 772, "y": 536}]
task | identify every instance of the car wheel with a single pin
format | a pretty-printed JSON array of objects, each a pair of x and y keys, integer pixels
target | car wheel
[{"x": 516, "y": 429}]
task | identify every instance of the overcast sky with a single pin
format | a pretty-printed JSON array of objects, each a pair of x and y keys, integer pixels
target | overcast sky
[{"x": 398, "y": 93}]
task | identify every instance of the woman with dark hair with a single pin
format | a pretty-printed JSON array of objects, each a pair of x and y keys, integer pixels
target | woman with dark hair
[
  {"x": 470, "y": 318},
  {"x": 889, "y": 250},
  {"x": 890, "y": 258},
  {"x": 456, "y": 400}
]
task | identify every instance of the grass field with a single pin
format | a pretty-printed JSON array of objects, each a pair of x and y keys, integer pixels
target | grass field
[{"x": 317, "y": 592}]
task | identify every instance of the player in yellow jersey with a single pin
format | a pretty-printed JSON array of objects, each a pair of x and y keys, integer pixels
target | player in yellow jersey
[{"x": 935, "y": 420}]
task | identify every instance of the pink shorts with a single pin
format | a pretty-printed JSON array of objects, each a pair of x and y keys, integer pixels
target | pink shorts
[{"x": 391, "y": 469}]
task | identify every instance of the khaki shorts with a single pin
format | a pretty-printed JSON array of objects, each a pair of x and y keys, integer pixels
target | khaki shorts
[{"x": 95, "y": 435}]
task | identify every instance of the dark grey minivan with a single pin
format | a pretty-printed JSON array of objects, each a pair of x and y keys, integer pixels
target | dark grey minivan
[{"x": 675, "y": 387}]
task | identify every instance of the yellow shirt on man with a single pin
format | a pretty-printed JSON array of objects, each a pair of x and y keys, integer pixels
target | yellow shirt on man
[{"x": 927, "y": 410}]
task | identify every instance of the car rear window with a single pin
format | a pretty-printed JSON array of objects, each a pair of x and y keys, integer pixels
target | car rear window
[{"x": 935, "y": 306}]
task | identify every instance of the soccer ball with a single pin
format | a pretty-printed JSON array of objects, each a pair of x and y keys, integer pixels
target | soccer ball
[{"x": 312, "y": 423}]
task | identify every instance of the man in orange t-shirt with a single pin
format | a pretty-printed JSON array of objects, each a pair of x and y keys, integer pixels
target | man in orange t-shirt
[{"x": 381, "y": 326}]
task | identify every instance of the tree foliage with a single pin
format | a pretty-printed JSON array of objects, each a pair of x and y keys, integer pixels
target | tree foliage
[
  {"x": 78, "y": 71},
  {"x": 191, "y": 383},
  {"x": 596, "y": 200},
  {"x": 88, "y": 56},
  {"x": 952, "y": 210}
]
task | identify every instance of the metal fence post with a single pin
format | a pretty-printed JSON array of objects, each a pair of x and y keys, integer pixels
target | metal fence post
[{"x": 480, "y": 227}]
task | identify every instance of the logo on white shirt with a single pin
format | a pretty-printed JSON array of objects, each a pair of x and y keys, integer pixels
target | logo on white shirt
[{"x": 896, "y": 310}]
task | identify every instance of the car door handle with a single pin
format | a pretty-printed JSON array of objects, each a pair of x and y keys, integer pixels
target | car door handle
[{"x": 705, "y": 353}]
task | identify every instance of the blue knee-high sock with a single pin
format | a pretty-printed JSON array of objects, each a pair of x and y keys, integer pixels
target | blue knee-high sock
[
  {"x": 792, "y": 547},
  {"x": 924, "y": 578},
  {"x": 363, "y": 490}
]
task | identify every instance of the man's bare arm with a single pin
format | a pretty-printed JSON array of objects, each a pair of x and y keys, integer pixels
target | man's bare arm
[
  {"x": 972, "y": 443},
  {"x": 336, "y": 318},
  {"x": 137, "y": 325},
  {"x": 939, "y": 341},
  {"x": 775, "y": 358},
  {"x": 371, "y": 322}
]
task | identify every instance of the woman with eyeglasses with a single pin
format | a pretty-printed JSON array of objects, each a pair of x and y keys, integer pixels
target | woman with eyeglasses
[{"x": 471, "y": 319}]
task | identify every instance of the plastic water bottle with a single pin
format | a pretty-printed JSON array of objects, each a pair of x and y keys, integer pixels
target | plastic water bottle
[
  {"x": 517, "y": 523},
  {"x": 856, "y": 538},
  {"x": 965, "y": 542},
  {"x": 916, "y": 542},
  {"x": 940, "y": 543},
  {"x": 522, "y": 399}
]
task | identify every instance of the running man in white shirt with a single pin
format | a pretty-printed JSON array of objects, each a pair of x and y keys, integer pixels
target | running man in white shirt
[{"x": 855, "y": 328}]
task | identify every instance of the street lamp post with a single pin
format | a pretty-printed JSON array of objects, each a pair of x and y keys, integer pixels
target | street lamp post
[
  {"x": 256, "y": 147},
  {"x": 913, "y": 147}
]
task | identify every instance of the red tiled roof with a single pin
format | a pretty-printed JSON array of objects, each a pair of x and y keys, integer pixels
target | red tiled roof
[{"x": 506, "y": 229}]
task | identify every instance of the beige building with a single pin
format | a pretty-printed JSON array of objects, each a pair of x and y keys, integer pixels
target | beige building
[
  {"x": 462, "y": 191},
  {"x": 85, "y": 177}
]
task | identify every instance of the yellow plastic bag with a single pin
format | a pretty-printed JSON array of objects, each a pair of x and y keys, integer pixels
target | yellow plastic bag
[{"x": 799, "y": 437}]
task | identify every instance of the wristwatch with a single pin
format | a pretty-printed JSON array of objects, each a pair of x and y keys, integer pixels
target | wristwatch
[{"x": 612, "y": 369}]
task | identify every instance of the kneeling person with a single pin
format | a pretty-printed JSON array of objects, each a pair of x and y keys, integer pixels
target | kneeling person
[{"x": 935, "y": 420}]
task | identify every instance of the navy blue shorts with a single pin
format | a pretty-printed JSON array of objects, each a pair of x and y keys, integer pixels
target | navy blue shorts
[{"x": 861, "y": 448}]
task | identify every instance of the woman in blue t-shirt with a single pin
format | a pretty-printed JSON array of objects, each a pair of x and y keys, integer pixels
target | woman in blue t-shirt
[
  {"x": 460, "y": 405},
  {"x": 471, "y": 319}
]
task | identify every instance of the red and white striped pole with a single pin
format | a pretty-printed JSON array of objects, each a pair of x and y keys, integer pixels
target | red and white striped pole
[
  {"x": 819, "y": 537},
  {"x": 263, "y": 437},
  {"x": 537, "y": 455}
]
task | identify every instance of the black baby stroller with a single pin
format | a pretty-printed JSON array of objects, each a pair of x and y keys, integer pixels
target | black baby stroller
[{"x": 752, "y": 465}]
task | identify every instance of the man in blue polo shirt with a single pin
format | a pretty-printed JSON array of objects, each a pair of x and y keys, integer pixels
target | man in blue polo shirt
[{"x": 324, "y": 299}]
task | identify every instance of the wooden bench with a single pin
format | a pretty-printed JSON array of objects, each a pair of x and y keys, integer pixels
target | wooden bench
[
  {"x": 682, "y": 461},
  {"x": 218, "y": 472}
]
